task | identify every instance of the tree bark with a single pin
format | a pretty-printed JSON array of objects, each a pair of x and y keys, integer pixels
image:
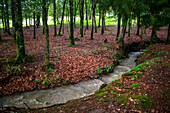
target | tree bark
[
  {"x": 45, "y": 15},
  {"x": 87, "y": 26},
  {"x": 92, "y": 22},
  {"x": 99, "y": 16},
  {"x": 138, "y": 24},
  {"x": 26, "y": 20},
  {"x": 54, "y": 15},
  {"x": 38, "y": 20},
  {"x": 81, "y": 17},
  {"x": 129, "y": 26},
  {"x": 121, "y": 40},
  {"x": 7, "y": 18},
  {"x": 118, "y": 26},
  {"x": 2, "y": 12},
  {"x": 168, "y": 36},
  {"x": 76, "y": 5},
  {"x": 34, "y": 37},
  {"x": 59, "y": 33},
  {"x": 19, "y": 32},
  {"x": 102, "y": 30},
  {"x": 13, "y": 21},
  {"x": 95, "y": 17},
  {"x": 72, "y": 42}
]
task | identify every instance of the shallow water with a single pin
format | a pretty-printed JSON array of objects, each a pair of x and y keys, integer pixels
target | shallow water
[{"x": 40, "y": 98}]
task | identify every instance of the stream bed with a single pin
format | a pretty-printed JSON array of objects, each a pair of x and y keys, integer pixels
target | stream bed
[{"x": 41, "y": 98}]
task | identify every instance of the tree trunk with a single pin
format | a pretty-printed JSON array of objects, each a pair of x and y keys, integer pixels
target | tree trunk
[
  {"x": 19, "y": 32},
  {"x": 59, "y": 33},
  {"x": 34, "y": 37},
  {"x": 118, "y": 26},
  {"x": 43, "y": 21},
  {"x": 168, "y": 37},
  {"x": 129, "y": 26},
  {"x": 92, "y": 22},
  {"x": 45, "y": 15},
  {"x": 121, "y": 40},
  {"x": 76, "y": 5},
  {"x": 95, "y": 17},
  {"x": 99, "y": 16},
  {"x": 54, "y": 15},
  {"x": 71, "y": 24},
  {"x": 87, "y": 26},
  {"x": 102, "y": 30},
  {"x": 2, "y": 12},
  {"x": 154, "y": 37},
  {"x": 26, "y": 20},
  {"x": 13, "y": 21},
  {"x": 7, "y": 18},
  {"x": 138, "y": 24},
  {"x": 81, "y": 17},
  {"x": 38, "y": 20}
]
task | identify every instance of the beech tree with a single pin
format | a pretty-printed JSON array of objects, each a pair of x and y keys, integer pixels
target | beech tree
[
  {"x": 81, "y": 17},
  {"x": 45, "y": 15},
  {"x": 64, "y": 4},
  {"x": 54, "y": 16},
  {"x": 72, "y": 41},
  {"x": 19, "y": 32}
]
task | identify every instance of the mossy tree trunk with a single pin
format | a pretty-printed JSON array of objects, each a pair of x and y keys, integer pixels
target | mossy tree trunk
[
  {"x": 19, "y": 32},
  {"x": 81, "y": 17},
  {"x": 72, "y": 42},
  {"x": 62, "y": 18},
  {"x": 54, "y": 15},
  {"x": 45, "y": 13},
  {"x": 121, "y": 40}
]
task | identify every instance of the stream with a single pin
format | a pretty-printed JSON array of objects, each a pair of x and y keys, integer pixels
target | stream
[{"x": 41, "y": 98}]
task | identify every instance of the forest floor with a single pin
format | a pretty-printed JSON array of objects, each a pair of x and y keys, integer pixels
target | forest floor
[
  {"x": 144, "y": 88},
  {"x": 70, "y": 64}
]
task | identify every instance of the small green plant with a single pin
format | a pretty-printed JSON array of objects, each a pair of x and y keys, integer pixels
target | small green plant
[
  {"x": 161, "y": 52},
  {"x": 101, "y": 99},
  {"x": 67, "y": 81},
  {"x": 99, "y": 71},
  {"x": 112, "y": 54},
  {"x": 135, "y": 85},
  {"x": 94, "y": 51},
  {"x": 105, "y": 49},
  {"x": 17, "y": 69},
  {"x": 58, "y": 48},
  {"x": 38, "y": 81},
  {"x": 133, "y": 78},
  {"x": 45, "y": 82},
  {"x": 58, "y": 79}
]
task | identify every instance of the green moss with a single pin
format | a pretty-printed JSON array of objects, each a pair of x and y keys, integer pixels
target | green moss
[{"x": 144, "y": 101}]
